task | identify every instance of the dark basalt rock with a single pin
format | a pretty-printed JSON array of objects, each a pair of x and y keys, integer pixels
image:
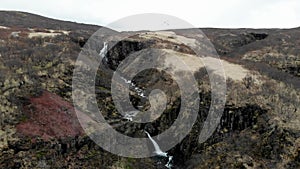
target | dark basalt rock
[{"x": 38, "y": 125}]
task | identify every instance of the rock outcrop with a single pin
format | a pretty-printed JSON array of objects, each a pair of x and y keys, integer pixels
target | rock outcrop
[{"x": 39, "y": 128}]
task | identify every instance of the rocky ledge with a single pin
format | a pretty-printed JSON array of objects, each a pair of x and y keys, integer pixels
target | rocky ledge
[{"x": 39, "y": 127}]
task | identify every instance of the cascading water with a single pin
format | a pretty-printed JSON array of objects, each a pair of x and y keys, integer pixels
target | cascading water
[
  {"x": 159, "y": 152},
  {"x": 129, "y": 115},
  {"x": 104, "y": 50}
]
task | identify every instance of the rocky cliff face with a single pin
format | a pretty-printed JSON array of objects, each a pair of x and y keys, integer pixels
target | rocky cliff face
[{"x": 38, "y": 126}]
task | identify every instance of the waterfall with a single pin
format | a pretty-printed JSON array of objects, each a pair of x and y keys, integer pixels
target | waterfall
[
  {"x": 138, "y": 90},
  {"x": 129, "y": 115},
  {"x": 159, "y": 152},
  {"x": 104, "y": 50}
]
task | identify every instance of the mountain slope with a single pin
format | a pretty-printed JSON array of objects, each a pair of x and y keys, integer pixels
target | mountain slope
[{"x": 259, "y": 127}]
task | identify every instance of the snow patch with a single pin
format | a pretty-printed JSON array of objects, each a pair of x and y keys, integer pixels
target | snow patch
[
  {"x": 15, "y": 34},
  {"x": 60, "y": 31},
  {"x": 47, "y": 33},
  {"x": 4, "y": 27},
  {"x": 42, "y": 34}
]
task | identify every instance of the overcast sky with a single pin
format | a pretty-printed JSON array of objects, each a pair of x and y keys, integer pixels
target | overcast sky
[{"x": 200, "y": 13}]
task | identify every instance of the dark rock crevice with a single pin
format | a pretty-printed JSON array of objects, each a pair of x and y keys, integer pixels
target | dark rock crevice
[
  {"x": 227, "y": 43},
  {"x": 234, "y": 120}
]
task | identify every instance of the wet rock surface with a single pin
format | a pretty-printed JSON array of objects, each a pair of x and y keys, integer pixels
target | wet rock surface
[{"x": 38, "y": 125}]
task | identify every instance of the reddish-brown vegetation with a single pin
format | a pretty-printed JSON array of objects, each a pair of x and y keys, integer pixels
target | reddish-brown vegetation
[{"x": 49, "y": 116}]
